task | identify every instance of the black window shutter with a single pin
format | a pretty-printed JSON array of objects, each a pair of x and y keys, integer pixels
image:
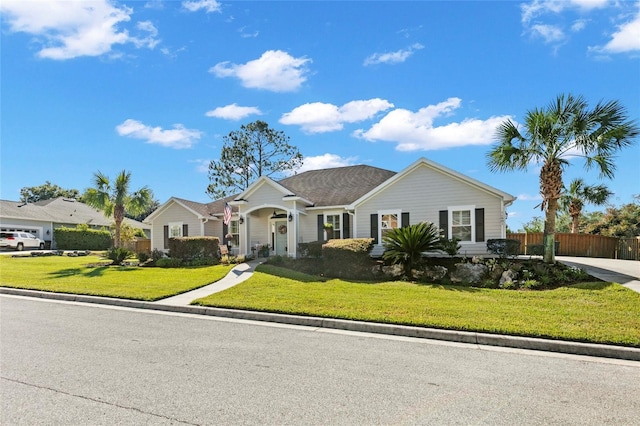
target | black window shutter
[
  {"x": 444, "y": 223},
  {"x": 405, "y": 219},
  {"x": 346, "y": 226},
  {"x": 320, "y": 227},
  {"x": 479, "y": 225},
  {"x": 185, "y": 230},
  {"x": 225, "y": 231},
  {"x": 166, "y": 236},
  {"x": 374, "y": 227}
]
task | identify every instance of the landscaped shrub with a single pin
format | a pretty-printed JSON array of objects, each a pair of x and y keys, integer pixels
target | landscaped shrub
[
  {"x": 81, "y": 238},
  {"x": 189, "y": 249},
  {"x": 404, "y": 246},
  {"x": 143, "y": 257},
  {"x": 348, "y": 258},
  {"x": 169, "y": 262},
  {"x": 118, "y": 255},
  {"x": 311, "y": 249},
  {"x": 450, "y": 246},
  {"x": 503, "y": 247}
]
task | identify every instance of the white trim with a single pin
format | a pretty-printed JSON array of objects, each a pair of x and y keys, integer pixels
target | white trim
[
  {"x": 506, "y": 198},
  {"x": 333, "y": 213},
  {"x": 179, "y": 225},
  {"x": 396, "y": 212},
  {"x": 166, "y": 205},
  {"x": 472, "y": 218}
]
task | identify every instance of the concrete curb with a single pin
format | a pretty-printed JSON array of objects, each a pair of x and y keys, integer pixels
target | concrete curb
[{"x": 487, "y": 339}]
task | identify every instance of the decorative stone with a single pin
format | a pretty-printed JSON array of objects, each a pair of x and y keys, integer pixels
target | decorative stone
[
  {"x": 434, "y": 273},
  {"x": 507, "y": 276},
  {"x": 468, "y": 273},
  {"x": 393, "y": 271}
]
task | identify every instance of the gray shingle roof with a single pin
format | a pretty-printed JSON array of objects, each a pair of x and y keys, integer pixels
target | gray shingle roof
[
  {"x": 59, "y": 210},
  {"x": 338, "y": 186},
  {"x": 326, "y": 187}
]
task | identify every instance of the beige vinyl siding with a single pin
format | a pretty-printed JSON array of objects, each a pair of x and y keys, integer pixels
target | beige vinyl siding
[
  {"x": 258, "y": 227},
  {"x": 173, "y": 213},
  {"x": 423, "y": 193},
  {"x": 264, "y": 195}
]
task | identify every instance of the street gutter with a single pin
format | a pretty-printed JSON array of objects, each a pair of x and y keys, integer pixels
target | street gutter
[{"x": 488, "y": 339}]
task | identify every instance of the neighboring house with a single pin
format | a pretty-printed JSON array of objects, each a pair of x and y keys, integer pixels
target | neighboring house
[
  {"x": 359, "y": 201},
  {"x": 42, "y": 217}
]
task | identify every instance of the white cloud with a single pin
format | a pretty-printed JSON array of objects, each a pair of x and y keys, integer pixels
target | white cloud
[
  {"x": 536, "y": 8},
  {"x": 529, "y": 197},
  {"x": 70, "y": 29},
  {"x": 209, "y": 6},
  {"x": 549, "y": 33},
  {"x": 318, "y": 117},
  {"x": 179, "y": 137},
  {"x": 202, "y": 166},
  {"x": 275, "y": 70},
  {"x": 392, "y": 57},
  {"x": 325, "y": 161},
  {"x": 625, "y": 39},
  {"x": 413, "y": 131},
  {"x": 233, "y": 112},
  {"x": 579, "y": 25}
]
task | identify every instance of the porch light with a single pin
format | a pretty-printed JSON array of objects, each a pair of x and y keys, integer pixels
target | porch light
[
  {"x": 241, "y": 220},
  {"x": 290, "y": 217}
]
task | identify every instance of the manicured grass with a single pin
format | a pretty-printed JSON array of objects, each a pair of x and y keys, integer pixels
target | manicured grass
[
  {"x": 589, "y": 312},
  {"x": 72, "y": 275}
]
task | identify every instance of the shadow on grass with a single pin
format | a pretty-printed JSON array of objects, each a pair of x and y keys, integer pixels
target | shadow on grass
[{"x": 92, "y": 272}]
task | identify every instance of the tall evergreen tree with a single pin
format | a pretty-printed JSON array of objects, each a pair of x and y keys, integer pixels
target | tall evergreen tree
[{"x": 253, "y": 151}]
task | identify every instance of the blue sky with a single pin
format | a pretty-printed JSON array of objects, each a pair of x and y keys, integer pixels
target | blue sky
[{"x": 153, "y": 86}]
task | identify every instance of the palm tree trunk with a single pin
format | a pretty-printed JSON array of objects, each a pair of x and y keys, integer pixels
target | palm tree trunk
[
  {"x": 549, "y": 236},
  {"x": 575, "y": 220},
  {"x": 118, "y": 217}
]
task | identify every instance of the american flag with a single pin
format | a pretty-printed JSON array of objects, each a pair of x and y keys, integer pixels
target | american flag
[{"x": 227, "y": 214}]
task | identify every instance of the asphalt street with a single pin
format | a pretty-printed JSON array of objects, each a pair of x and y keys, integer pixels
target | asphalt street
[{"x": 68, "y": 363}]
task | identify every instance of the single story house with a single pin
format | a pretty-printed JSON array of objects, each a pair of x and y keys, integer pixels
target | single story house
[
  {"x": 358, "y": 201},
  {"x": 42, "y": 217}
]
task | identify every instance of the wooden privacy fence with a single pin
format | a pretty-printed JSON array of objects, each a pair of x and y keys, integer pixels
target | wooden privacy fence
[
  {"x": 585, "y": 245},
  {"x": 140, "y": 245}
]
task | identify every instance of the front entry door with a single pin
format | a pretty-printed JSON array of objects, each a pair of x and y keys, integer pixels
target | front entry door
[{"x": 281, "y": 237}]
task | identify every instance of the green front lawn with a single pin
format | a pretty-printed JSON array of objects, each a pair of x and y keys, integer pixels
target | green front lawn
[
  {"x": 73, "y": 275},
  {"x": 590, "y": 312}
]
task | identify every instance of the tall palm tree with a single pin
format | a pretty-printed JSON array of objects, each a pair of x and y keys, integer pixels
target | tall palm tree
[
  {"x": 579, "y": 194},
  {"x": 549, "y": 135},
  {"x": 114, "y": 199}
]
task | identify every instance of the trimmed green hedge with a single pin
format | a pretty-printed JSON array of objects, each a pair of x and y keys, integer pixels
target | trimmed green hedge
[
  {"x": 190, "y": 249},
  {"x": 82, "y": 239},
  {"x": 348, "y": 258}
]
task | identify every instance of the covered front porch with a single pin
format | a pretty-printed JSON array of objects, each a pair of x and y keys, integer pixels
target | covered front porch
[{"x": 267, "y": 231}]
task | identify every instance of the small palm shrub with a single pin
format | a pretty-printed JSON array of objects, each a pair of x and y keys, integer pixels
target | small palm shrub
[
  {"x": 405, "y": 245},
  {"x": 118, "y": 255}
]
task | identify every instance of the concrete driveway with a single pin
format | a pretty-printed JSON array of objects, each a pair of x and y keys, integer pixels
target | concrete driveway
[{"x": 625, "y": 272}]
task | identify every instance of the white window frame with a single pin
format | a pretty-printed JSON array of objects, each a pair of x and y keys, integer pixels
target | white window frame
[
  {"x": 336, "y": 213},
  {"x": 472, "y": 217},
  {"x": 235, "y": 235},
  {"x": 173, "y": 225},
  {"x": 381, "y": 213}
]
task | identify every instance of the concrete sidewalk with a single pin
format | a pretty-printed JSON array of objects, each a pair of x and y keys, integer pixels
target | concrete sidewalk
[
  {"x": 625, "y": 272},
  {"x": 238, "y": 274}
]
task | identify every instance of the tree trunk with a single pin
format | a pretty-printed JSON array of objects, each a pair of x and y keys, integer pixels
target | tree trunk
[
  {"x": 575, "y": 220},
  {"x": 118, "y": 217},
  {"x": 549, "y": 238}
]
